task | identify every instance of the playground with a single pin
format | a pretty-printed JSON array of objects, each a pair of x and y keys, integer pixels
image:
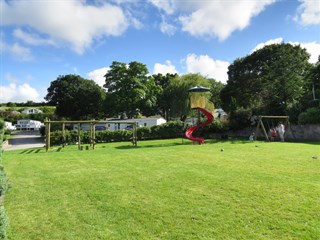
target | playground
[{"x": 165, "y": 189}]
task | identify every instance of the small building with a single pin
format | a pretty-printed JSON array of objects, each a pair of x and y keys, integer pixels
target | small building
[
  {"x": 28, "y": 124},
  {"x": 220, "y": 114},
  {"x": 31, "y": 111},
  {"x": 9, "y": 126},
  {"x": 123, "y": 124},
  {"x": 141, "y": 122}
]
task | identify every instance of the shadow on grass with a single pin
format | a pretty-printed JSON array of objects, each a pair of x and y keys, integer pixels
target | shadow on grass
[
  {"x": 152, "y": 145},
  {"x": 28, "y": 151}
]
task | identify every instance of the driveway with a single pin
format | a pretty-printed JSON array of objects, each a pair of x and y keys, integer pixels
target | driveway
[{"x": 25, "y": 139}]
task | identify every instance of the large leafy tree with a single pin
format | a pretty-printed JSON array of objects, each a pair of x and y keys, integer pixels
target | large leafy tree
[
  {"x": 272, "y": 78},
  {"x": 164, "y": 99},
  {"x": 75, "y": 97},
  {"x": 130, "y": 90},
  {"x": 177, "y": 92},
  {"x": 215, "y": 90}
]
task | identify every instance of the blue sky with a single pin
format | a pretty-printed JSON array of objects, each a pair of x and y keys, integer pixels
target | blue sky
[{"x": 43, "y": 39}]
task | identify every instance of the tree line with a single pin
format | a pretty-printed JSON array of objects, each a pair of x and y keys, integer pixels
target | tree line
[{"x": 275, "y": 80}]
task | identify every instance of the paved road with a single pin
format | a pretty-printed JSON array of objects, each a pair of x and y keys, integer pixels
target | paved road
[{"x": 25, "y": 139}]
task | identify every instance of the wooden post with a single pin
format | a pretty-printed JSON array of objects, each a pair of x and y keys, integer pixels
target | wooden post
[
  {"x": 48, "y": 134},
  {"x": 134, "y": 135},
  {"x": 264, "y": 131},
  {"x": 63, "y": 134},
  {"x": 79, "y": 140},
  {"x": 91, "y": 124},
  {"x": 257, "y": 129},
  {"x": 93, "y": 135}
]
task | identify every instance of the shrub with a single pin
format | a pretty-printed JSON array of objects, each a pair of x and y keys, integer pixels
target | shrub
[
  {"x": 3, "y": 188},
  {"x": 310, "y": 116},
  {"x": 240, "y": 119},
  {"x": 314, "y": 103},
  {"x": 144, "y": 133},
  {"x": 172, "y": 129},
  {"x": 218, "y": 127},
  {"x": 4, "y": 223},
  {"x": 42, "y": 131}
]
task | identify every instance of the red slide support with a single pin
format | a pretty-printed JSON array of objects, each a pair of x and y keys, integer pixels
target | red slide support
[{"x": 192, "y": 129}]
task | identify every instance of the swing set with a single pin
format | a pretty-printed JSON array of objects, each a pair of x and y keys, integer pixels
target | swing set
[{"x": 267, "y": 122}]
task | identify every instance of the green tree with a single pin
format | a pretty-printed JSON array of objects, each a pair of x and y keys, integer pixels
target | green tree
[
  {"x": 164, "y": 100},
  {"x": 130, "y": 90},
  {"x": 177, "y": 92},
  {"x": 75, "y": 97},
  {"x": 215, "y": 90},
  {"x": 272, "y": 78}
]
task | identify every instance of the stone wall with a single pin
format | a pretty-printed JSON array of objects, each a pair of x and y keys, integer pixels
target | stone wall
[{"x": 293, "y": 132}]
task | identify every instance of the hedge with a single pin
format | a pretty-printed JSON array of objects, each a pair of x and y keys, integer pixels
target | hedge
[
  {"x": 310, "y": 116},
  {"x": 4, "y": 222},
  {"x": 172, "y": 129}
]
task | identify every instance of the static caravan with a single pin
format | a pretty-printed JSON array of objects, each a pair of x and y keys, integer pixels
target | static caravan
[{"x": 28, "y": 124}]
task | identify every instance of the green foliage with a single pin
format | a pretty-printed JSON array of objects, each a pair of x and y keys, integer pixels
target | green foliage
[
  {"x": 273, "y": 77},
  {"x": 144, "y": 133},
  {"x": 172, "y": 129},
  {"x": 164, "y": 97},
  {"x": 218, "y": 126},
  {"x": 71, "y": 137},
  {"x": 310, "y": 116},
  {"x": 75, "y": 97},
  {"x": 177, "y": 91},
  {"x": 314, "y": 103},
  {"x": 4, "y": 223},
  {"x": 3, "y": 188},
  {"x": 130, "y": 90},
  {"x": 215, "y": 90},
  {"x": 240, "y": 119}
]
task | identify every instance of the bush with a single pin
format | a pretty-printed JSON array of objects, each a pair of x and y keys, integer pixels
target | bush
[
  {"x": 4, "y": 223},
  {"x": 314, "y": 103},
  {"x": 42, "y": 131},
  {"x": 3, "y": 188},
  {"x": 311, "y": 116},
  {"x": 172, "y": 129},
  {"x": 144, "y": 133},
  {"x": 218, "y": 127},
  {"x": 240, "y": 119}
]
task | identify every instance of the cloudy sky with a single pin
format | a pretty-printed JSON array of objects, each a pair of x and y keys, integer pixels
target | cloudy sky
[{"x": 43, "y": 39}]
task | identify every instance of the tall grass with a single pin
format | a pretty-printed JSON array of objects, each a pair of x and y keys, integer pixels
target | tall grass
[{"x": 166, "y": 189}]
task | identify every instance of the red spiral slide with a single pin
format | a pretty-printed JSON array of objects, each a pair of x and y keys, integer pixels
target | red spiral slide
[{"x": 192, "y": 129}]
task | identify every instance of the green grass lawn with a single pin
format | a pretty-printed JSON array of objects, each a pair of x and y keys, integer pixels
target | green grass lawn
[{"x": 165, "y": 189}]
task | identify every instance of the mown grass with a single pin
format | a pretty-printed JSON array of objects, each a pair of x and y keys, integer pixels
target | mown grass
[{"x": 166, "y": 189}]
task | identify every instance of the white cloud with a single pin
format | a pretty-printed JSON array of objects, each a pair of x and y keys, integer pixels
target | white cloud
[
  {"x": 32, "y": 39},
  {"x": 313, "y": 48},
  {"x": 69, "y": 21},
  {"x": 165, "y": 5},
  {"x": 167, "y": 28},
  {"x": 18, "y": 93},
  {"x": 207, "y": 67},
  {"x": 220, "y": 18},
  {"x": 17, "y": 51},
  {"x": 269, "y": 42},
  {"x": 168, "y": 67},
  {"x": 309, "y": 12},
  {"x": 98, "y": 75},
  {"x": 24, "y": 54}
]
